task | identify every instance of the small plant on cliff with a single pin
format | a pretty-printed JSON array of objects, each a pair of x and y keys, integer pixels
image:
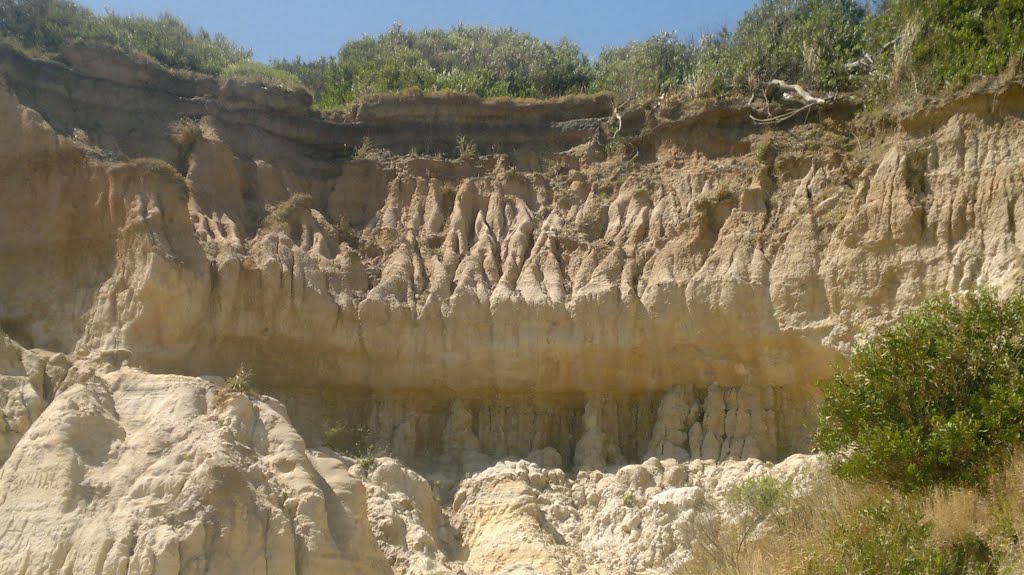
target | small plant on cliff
[
  {"x": 367, "y": 150},
  {"x": 466, "y": 148},
  {"x": 935, "y": 399},
  {"x": 765, "y": 150},
  {"x": 352, "y": 441},
  {"x": 185, "y": 133},
  {"x": 241, "y": 382}
]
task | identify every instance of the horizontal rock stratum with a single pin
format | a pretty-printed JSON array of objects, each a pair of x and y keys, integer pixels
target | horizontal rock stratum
[{"x": 554, "y": 342}]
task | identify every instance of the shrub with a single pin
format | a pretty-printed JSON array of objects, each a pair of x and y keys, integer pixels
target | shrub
[
  {"x": 642, "y": 69},
  {"x": 485, "y": 61},
  {"x": 723, "y": 545},
  {"x": 940, "y": 42},
  {"x": 760, "y": 497},
  {"x": 936, "y": 398},
  {"x": 805, "y": 41},
  {"x": 315, "y": 75},
  {"x": 955, "y": 40},
  {"x": 186, "y": 132},
  {"x": 765, "y": 150}
]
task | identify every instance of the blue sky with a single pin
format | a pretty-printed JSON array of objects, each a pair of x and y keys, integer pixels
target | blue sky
[{"x": 311, "y": 28}]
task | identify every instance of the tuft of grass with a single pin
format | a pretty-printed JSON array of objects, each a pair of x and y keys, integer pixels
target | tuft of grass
[
  {"x": 466, "y": 148},
  {"x": 352, "y": 441},
  {"x": 708, "y": 202},
  {"x": 368, "y": 463},
  {"x": 367, "y": 150},
  {"x": 185, "y": 133},
  {"x": 242, "y": 381},
  {"x": 278, "y": 216}
]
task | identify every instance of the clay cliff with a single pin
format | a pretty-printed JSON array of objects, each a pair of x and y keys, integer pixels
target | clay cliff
[{"x": 568, "y": 344}]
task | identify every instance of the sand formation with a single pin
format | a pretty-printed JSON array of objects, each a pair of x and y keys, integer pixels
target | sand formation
[{"x": 562, "y": 349}]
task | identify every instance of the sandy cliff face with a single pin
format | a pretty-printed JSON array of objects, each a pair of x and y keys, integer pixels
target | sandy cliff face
[{"x": 546, "y": 303}]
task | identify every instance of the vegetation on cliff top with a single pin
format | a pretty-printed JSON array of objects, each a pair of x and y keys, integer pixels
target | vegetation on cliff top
[
  {"x": 46, "y": 25},
  {"x": 901, "y": 46}
]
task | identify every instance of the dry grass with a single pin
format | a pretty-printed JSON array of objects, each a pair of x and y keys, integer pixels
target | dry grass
[
  {"x": 151, "y": 167},
  {"x": 185, "y": 133},
  {"x": 955, "y": 514},
  {"x": 369, "y": 151},
  {"x": 278, "y": 216},
  {"x": 700, "y": 85},
  {"x": 839, "y": 527},
  {"x": 903, "y": 57}
]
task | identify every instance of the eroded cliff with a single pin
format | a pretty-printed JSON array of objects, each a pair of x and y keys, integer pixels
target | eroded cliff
[{"x": 550, "y": 300}]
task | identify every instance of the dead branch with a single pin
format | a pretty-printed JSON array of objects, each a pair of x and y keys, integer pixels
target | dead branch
[
  {"x": 863, "y": 65},
  {"x": 788, "y": 94},
  {"x": 618, "y": 115},
  {"x": 777, "y": 89}
]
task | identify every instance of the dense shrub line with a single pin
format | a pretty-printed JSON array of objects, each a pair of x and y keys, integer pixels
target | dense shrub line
[
  {"x": 921, "y": 44},
  {"x": 45, "y": 25}
]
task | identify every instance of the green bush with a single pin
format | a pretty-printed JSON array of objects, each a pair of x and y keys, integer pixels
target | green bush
[
  {"x": 950, "y": 41},
  {"x": 937, "y": 398},
  {"x": 320, "y": 76},
  {"x": 641, "y": 69},
  {"x": 804, "y": 41},
  {"x": 485, "y": 61}
]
